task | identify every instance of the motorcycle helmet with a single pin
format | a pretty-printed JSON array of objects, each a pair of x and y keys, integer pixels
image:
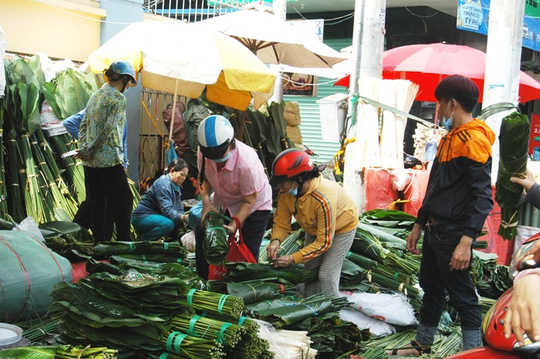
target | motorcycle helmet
[
  {"x": 292, "y": 164},
  {"x": 215, "y": 133},
  {"x": 123, "y": 68}
]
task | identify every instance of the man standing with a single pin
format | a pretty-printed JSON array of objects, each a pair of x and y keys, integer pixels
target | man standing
[{"x": 457, "y": 202}]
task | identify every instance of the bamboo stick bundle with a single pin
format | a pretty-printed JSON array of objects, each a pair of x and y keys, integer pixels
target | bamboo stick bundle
[
  {"x": 227, "y": 333},
  {"x": 57, "y": 195},
  {"x": 222, "y": 304}
]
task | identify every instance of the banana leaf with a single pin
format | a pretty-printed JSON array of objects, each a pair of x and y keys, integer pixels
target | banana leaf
[
  {"x": 332, "y": 336},
  {"x": 68, "y": 239},
  {"x": 388, "y": 218},
  {"x": 514, "y": 145},
  {"x": 254, "y": 291},
  {"x": 61, "y": 351},
  {"x": 367, "y": 245},
  {"x": 106, "y": 249},
  {"x": 240, "y": 271},
  {"x": 72, "y": 92},
  {"x": 215, "y": 245},
  {"x": 285, "y": 313},
  {"x": 362, "y": 261},
  {"x": 351, "y": 273},
  {"x": 385, "y": 238}
]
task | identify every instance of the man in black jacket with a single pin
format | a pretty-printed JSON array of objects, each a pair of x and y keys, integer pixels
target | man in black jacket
[{"x": 457, "y": 202}]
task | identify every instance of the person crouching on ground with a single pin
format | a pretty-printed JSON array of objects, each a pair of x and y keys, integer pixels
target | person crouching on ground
[{"x": 160, "y": 210}]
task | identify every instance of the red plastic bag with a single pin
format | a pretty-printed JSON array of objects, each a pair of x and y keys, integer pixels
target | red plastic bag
[{"x": 238, "y": 252}]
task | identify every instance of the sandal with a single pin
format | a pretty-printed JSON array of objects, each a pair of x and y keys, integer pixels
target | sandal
[{"x": 420, "y": 349}]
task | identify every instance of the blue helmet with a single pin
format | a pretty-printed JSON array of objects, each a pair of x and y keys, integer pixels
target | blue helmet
[
  {"x": 215, "y": 133},
  {"x": 124, "y": 68}
]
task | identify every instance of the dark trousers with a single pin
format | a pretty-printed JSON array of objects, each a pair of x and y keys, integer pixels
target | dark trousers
[
  {"x": 252, "y": 231},
  {"x": 111, "y": 202},
  {"x": 437, "y": 280}
]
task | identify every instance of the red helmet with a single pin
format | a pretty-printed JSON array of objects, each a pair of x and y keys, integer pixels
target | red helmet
[{"x": 291, "y": 164}]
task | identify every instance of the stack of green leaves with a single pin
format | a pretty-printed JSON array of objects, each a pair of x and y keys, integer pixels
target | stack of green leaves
[
  {"x": 293, "y": 274},
  {"x": 106, "y": 249},
  {"x": 60, "y": 351},
  {"x": 514, "y": 146},
  {"x": 215, "y": 245},
  {"x": 284, "y": 313},
  {"x": 257, "y": 290},
  {"x": 331, "y": 336},
  {"x": 68, "y": 239}
]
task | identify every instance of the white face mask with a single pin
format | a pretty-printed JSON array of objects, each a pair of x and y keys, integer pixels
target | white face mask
[{"x": 223, "y": 159}]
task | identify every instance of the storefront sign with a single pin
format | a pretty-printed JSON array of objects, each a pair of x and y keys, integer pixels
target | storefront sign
[
  {"x": 534, "y": 140},
  {"x": 473, "y": 15}
]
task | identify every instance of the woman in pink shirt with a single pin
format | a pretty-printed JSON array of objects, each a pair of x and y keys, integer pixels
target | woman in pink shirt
[{"x": 233, "y": 171}]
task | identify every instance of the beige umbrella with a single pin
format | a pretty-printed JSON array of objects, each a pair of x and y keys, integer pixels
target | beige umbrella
[
  {"x": 178, "y": 58},
  {"x": 273, "y": 40}
]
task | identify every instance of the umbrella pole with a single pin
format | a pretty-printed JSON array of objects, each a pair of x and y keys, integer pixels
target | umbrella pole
[{"x": 173, "y": 109}]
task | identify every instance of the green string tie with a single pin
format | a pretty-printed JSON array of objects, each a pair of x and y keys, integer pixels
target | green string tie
[
  {"x": 221, "y": 303},
  {"x": 166, "y": 246},
  {"x": 163, "y": 356},
  {"x": 177, "y": 337},
  {"x": 190, "y": 296},
  {"x": 191, "y": 329},
  {"x": 241, "y": 320},
  {"x": 221, "y": 336},
  {"x": 131, "y": 246}
]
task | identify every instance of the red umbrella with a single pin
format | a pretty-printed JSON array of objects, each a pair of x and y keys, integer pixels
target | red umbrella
[{"x": 427, "y": 64}]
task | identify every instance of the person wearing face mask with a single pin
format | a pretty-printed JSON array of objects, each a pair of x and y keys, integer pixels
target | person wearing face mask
[
  {"x": 101, "y": 150},
  {"x": 457, "y": 202},
  {"x": 160, "y": 210},
  {"x": 233, "y": 171},
  {"x": 323, "y": 209}
]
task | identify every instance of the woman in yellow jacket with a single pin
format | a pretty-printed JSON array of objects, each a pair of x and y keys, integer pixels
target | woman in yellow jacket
[{"x": 323, "y": 209}]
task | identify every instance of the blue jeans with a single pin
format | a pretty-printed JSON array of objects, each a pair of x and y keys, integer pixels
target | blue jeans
[
  {"x": 437, "y": 280},
  {"x": 153, "y": 226}
]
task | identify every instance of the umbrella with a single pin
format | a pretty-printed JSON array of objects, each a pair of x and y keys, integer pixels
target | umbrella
[
  {"x": 274, "y": 40},
  {"x": 178, "y": 58},
  {"x": 427, "y": 64}
]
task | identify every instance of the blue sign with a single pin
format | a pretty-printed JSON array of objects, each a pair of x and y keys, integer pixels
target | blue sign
[{"x": 473, "y": 15}]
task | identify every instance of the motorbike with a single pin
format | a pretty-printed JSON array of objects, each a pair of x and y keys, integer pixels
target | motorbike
[{"x": 498, "y": 346}]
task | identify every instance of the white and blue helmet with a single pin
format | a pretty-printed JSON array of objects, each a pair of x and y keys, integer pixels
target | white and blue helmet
[{"x": 215, "y": 133}]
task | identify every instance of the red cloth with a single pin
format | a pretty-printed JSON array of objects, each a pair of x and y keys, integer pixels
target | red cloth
[
  {"x": 79, "y": 270},
  {"x": 378, "y": 188}
]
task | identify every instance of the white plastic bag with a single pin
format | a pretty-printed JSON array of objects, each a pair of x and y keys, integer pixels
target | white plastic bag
[
  {"x": 29, "y": 225},
  {"x": 391, "y": 308},
  {"x": 188, "y": 241},
  {"x": 376, "y": 327}
]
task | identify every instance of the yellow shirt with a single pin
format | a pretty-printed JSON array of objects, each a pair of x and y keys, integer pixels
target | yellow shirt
[{"x": 324, "y": 210}]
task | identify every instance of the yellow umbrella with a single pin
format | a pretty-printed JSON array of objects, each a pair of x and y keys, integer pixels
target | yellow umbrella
[{"x": 178, "y": 58}]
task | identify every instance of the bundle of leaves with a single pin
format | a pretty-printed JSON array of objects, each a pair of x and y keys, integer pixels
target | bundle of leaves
[
  {"x": 60, "y": 351},
  {"x": 514, "y": 146},
  {"x": 68, "y": 239},
  {"x": 257, "y": 290},
  {"x": 215, "y": 245},
  {"x": 293, "y": 274},
  {"x": 333, "y": 337},
  {"x": 285, "y": 313},
  {"x": 107, "y": 249}
]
